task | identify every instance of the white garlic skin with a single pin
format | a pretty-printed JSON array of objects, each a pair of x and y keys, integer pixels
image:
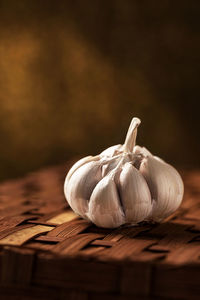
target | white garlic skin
[{"x": 123, "y": 184}]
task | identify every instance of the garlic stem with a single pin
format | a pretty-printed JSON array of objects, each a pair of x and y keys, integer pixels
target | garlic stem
[{"x": 131, "y": 135}]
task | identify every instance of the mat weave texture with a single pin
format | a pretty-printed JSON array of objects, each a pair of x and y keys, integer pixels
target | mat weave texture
[{"x": 47, "y": 252}]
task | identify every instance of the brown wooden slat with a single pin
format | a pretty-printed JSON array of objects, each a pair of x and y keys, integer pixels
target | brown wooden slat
[
  {"x": 136, "y": 279},
  {"x": 76, "y": 274},
  {"x": 176, "y": 282},
  {"x": 22, "y": 235},
  {"x": 125, "y": 248},
  {"x": 75, "y": 243},
  {"x": 70, "y": 228},
  {"x": 16, "y": 266}
]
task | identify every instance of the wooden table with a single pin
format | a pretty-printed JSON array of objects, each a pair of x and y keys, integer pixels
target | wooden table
[{"x": 47, "y": 252}]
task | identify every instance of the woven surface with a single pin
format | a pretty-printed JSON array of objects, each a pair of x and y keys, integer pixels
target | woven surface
[{"x": 47, "y": 252}]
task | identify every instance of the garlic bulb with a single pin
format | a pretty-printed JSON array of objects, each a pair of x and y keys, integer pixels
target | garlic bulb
[{"x": 123, "y": 184}]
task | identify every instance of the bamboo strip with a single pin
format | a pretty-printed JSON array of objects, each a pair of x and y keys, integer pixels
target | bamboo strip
[{"x": 21, "y": 236}]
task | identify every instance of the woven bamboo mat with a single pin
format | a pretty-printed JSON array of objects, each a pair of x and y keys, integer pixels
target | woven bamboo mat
[{"x": 47, "y": 252}]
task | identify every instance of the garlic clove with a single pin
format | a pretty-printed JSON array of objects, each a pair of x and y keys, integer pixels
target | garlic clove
[
  {"x": 159, "y": 159},
  {"x": 141, "y": 150},
  {"x": 111, "y": 151},
  {"x": 104, "y": 206},
  {"x": 78, "y": 164},
  {"x": 165, "y": 184},
  {"x": 79, "y": 187},
  {"x": 134, "y": 193}
]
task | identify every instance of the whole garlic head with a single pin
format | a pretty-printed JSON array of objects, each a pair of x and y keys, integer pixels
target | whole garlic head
[{"x": 123, "y": 184}]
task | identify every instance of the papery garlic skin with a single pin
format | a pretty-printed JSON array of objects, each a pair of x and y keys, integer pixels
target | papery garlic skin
[{"x": 123, "y": 184}]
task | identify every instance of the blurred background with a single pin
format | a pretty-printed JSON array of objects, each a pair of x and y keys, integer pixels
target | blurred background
[{"x": 74, "y": 73}]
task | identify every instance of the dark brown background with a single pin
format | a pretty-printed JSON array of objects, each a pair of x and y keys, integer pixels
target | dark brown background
[{"x": 74, "y": 73}]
